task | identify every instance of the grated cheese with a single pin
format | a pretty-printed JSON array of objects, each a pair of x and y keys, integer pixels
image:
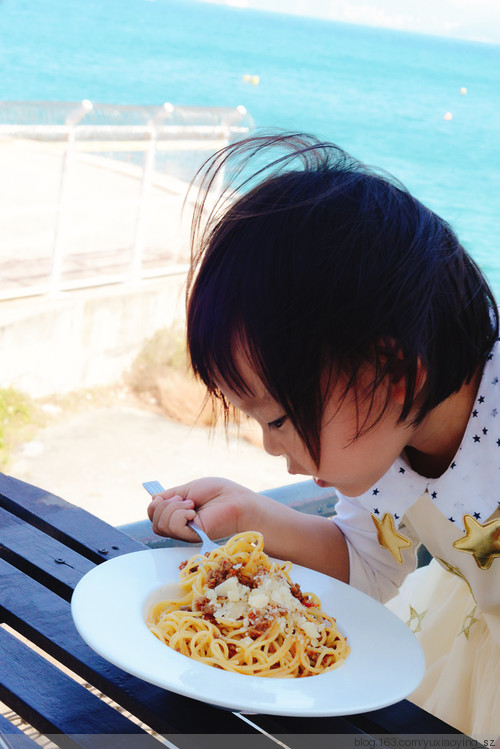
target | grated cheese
[{"x": 234, "y": 601}]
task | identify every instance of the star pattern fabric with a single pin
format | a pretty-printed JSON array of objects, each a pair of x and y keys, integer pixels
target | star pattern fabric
[
  {"x": 469, "y": 621},
  {"x": 415, "y": 620},
  {"x": 471, "y": 484}
]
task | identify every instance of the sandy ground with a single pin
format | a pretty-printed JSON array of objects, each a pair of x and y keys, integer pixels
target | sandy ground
[{"x": 98, "y": 459}]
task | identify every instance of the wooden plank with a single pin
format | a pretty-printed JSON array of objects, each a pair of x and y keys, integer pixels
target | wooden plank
[
  {"x": 59, "y": 704},
  {"x": 45, "y": 619},
  {"x": 403, "y": 718},
  {"x": 72, "y": 526},
  {"x": 298, "y": 733},
  {"x": 400, "y": 719},
  {"x": 40, "y": 556}
]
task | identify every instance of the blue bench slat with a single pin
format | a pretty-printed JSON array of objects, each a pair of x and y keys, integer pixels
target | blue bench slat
[
  {"x": 394, "y": 719},
  {"x": 402, "y": 718},
  {"x": 397, "y": 719},
  {"x": 72, "y": 526},
  {"x": 41, "y": 556},
  {"x": 46, "y": 620},
  {"x": 59, "y": 705},
  {"x": 286, "y": 728}
]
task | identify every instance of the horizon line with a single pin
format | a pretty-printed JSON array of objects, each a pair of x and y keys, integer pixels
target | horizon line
[{"x": 439, "y": 33}]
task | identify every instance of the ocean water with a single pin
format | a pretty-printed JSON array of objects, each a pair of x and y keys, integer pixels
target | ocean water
[{"x": 380, "y": 94}]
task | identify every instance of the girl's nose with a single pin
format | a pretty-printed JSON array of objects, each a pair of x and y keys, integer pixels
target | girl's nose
[{"x": 271, "y": 444}]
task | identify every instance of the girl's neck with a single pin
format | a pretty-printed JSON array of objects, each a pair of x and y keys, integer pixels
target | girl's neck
[{"x": 436, "y": 440}]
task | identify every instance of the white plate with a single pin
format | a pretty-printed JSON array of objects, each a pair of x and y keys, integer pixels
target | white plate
[{"x": 386, "y": 662}]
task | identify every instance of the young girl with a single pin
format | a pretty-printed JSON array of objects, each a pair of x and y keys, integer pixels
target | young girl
[{"x": 341, "y": 314}]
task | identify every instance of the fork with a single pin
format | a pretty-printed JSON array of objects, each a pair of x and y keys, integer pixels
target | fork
[{"x": 154, "y": 487}]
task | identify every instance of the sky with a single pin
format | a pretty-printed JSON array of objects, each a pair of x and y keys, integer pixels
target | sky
[{"x": 467, "y": 19}]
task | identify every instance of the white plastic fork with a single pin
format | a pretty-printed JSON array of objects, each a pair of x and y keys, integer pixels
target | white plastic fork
[{"x": 154, "y": 487}]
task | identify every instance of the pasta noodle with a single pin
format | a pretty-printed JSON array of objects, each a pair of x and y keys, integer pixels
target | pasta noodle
[{"x": 241, "y": 612}]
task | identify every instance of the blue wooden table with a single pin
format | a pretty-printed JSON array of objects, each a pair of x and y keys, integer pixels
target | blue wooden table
[{"x": 63, "y": 689}]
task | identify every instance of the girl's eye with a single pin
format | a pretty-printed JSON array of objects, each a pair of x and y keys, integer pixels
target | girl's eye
[{"x": 278, "y": 423}]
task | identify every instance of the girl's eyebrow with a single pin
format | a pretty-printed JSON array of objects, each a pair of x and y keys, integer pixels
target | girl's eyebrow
[
  {"x": 266, "y": 400},
  {"x": 261, "y": 407},
  {"x": 258, "y": 401}
]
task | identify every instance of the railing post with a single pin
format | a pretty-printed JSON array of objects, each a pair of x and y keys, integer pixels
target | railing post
[
  {"x": 58, "y": 247},
  {"x": 147, "y": 178}
]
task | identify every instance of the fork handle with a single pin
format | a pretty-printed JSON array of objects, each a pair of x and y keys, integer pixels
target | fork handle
[{"x": 207, "y": 542}]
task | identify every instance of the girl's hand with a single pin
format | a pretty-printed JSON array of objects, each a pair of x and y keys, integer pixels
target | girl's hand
[{"x": 221, "y": 507}]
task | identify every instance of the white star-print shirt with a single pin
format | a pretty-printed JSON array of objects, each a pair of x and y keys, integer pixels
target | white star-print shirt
[{"x": 470, "y": 485}]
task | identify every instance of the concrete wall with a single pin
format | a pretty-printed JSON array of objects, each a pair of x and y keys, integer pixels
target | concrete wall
[{"x": 83, "y": 338}]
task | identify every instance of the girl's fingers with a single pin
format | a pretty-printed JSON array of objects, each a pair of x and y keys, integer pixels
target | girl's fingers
[
  {"x": 178, "y": 525},
  {"x": 160, "y": 499},
  {"x": 162, "y": 508},
  {"x": 169, "y": 517},
  {"x": 198, "y": 492}
]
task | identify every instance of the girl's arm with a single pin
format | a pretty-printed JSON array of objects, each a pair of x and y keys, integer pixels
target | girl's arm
[
  {"x": 310, "y": 540},
  {"x": 224, "y": 508}
]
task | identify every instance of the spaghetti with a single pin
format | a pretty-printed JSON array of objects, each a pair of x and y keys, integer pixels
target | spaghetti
[{"x": 241, "y": 612}]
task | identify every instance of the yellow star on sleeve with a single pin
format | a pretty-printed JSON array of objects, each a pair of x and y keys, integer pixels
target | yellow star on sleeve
[
  {"x": 482, "y": 541},
  {"x": 389, "y": 538}
]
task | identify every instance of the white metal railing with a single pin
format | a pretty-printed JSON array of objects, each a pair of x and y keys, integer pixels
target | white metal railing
[{"x": 87, "y": 187}]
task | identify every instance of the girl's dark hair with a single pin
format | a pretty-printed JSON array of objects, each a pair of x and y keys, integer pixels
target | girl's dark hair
[{"x": 319, "y": 264}]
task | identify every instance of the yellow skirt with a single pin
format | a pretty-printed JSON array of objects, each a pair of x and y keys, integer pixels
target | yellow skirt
[{"x": 462, "y": 651}]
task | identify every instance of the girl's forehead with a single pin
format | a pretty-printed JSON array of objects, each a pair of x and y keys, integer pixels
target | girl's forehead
[
  {"x": 258, "y": 405},
  {"x": 253, "y": 392}
]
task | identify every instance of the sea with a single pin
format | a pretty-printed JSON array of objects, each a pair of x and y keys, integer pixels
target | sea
[{"x": 424, "y": 108}]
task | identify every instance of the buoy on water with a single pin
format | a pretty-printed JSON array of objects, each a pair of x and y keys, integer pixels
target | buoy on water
[
  {"x": 253, "y": 79},
  {"x": 448, "y": 116},
  {"x": 463, "y": 91}
]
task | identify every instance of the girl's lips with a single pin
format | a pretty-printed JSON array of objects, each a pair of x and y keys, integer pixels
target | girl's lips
[{"x": 321, "y": 483}]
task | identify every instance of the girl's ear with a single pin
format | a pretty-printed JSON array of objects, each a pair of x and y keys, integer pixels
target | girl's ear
[
  {"x": 397, "y": 371},
  {"x": 398, "y": 380}
]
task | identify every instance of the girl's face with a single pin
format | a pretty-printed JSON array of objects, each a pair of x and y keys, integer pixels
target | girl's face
[{"x": 350, "y": 465}]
